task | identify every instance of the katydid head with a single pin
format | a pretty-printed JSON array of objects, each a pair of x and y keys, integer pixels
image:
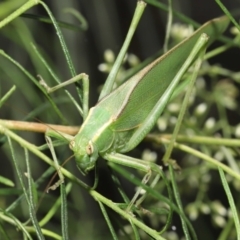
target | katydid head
[{"x": 86, "y": 154}]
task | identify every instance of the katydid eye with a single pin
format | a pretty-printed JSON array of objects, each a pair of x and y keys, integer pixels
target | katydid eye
[
  {"x": 89, "y": 148},
  {"x": 72, "y": 144}
]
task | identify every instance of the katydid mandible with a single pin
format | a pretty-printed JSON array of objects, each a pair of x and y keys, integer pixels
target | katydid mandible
[{"x": 121, "y": 119}]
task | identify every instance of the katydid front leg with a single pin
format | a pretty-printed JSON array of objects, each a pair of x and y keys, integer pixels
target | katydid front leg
[
  {"x": 61, "y": 177},
  {"x": 80, "y": 77},
  {"x": 60, "y": 135}
]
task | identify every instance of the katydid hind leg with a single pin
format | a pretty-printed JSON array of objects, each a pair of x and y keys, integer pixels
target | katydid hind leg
[
  {"x": 139, "y": 191},
  {"x": 147, "y": 125},
  {"x": 152, "y": 185},
  {"x": 139, "y": 164},
  {"x": 148, "y": 175},
  {"x": 181, "y": 114}
]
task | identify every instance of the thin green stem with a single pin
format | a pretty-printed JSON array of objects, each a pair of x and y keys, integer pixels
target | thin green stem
[
  {"x": 61, "y": 40},
  {"x": 205, "y": 158},
  {"x": 231, "y": 202},
  {"x": 179, "y": 203},
  {"x": 128, "y": 216},
  {"x": 32, "y": 148},
  {"x": 108, "y": 221},
  {"x": 11, "y": 219},
  {"x": 108, "y": 86},
  {"x": 228, "y": 14},
  {"x": 31, "y": 203},
  {"x": 18, "y": 12},
  {"x": 64, "y": 212},
  {"x": 52, "y": 211},
  {"x": 169, "y": 26},
  {"x": 79, "y": 16},
  {"x": 7, "y": 95},
  {"x": 228, "y": 142},
  {"x": 22, "y": 69}
]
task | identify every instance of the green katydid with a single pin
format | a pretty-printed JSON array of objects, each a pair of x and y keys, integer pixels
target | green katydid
[{"x": 123, "y": 117}]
